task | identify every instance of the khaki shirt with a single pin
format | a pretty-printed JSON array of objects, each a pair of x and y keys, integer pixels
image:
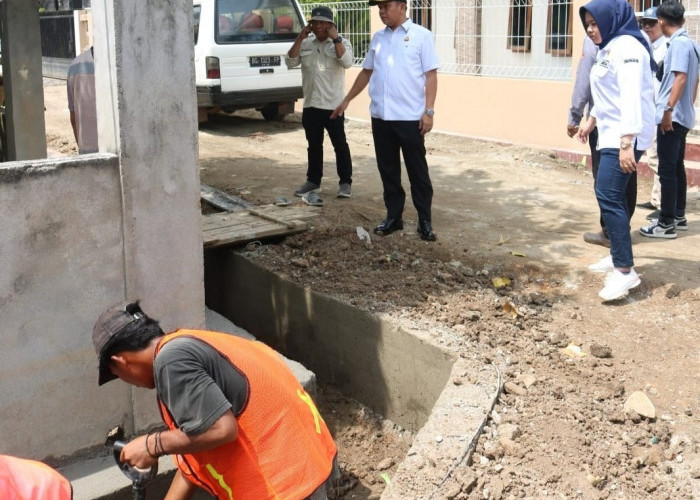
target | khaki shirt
[{"x": 322, "y": 73}]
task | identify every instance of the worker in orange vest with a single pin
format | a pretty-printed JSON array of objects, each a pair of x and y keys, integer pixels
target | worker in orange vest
[
  {"x": 239, "y": 423},
  {"x": 22, "y": 479}
]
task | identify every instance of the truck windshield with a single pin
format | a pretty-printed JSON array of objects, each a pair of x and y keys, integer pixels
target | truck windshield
[{"x": 245, "y": 21}]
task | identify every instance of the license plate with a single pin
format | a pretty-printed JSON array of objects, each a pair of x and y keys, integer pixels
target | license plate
[{"x": 258, "y": 61}]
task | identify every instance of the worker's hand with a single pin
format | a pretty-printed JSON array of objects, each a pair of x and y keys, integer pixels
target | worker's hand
[
  {"x": 571, "y": 130},
  {"x": 585, "y": 131},
  {"x": 306, "y": 31},
  {"x": 136, "y": 455},
  {"x": 666, "y": 122},
  {"x": 339, "y": 110},
  {"x": 332, "y": 32},
  {"x": 582, "y": 136},
  {"x": 627, "y": 161},
  {"x": 426, "y": 124}
]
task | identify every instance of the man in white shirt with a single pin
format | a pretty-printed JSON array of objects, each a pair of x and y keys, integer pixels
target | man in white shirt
[
  {"x": 323, "y": 59},
  {"x": 401, "y": 70},
  {"x": 650, "y": 26}
]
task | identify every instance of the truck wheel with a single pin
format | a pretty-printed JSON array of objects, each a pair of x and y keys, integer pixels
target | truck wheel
[{"x": 271, "y": 112}]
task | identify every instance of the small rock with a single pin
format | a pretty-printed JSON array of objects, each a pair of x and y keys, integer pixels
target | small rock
[
  {"x": 559, "y": 339},
  {"x": 492, "y": 450},
  {"x": 302, "y": 263},
  {"x": 513, "y": 388},
  {"x": 385, "y": 464},
  {"x": 509, "y": 431},
  {"x": 641, "y": 404},
  {"x": 526, "y": 379},
  {"x": 510, "y": 447},
  {"x": 595, "y": 480},
  {"x": 617, "y": 418},
  {"x": 601, "y": 351}
]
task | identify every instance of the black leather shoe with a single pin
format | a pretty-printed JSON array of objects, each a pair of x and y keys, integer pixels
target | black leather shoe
[
  {"x": 646, "y": 205},
  {"x": 654, "y": 215},
  {"x": 425, "y": 231},
  {"x": 388, "y": 226}
]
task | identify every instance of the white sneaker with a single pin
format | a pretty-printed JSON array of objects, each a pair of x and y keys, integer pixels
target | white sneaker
[
  {"x": 618, "y": 284},
  {"x": 604, "y": 265}
]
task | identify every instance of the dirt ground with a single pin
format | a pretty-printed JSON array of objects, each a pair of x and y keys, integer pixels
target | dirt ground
[{"x": 559, "y": 429}]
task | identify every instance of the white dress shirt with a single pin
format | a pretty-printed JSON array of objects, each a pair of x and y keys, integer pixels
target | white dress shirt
[
  {"x": 623, "y": 94},
  {"x": 399, "y": 60}
]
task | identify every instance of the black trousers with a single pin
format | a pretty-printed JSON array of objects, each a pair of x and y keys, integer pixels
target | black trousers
[
  {"x": 315, "y": 121},
  {"x": 670, "y": 148},
  {"x": 631, "y": 193},
  {"x": 391, "y": 139}
]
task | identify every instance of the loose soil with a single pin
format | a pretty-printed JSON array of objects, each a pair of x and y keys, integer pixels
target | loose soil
[{"x": 503, "y": 214}]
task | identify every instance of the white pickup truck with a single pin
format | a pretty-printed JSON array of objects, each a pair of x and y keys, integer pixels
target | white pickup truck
[{"x": 239, "y": 48}]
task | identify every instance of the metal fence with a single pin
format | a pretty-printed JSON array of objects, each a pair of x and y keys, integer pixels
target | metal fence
[{"x": 352, "y": 20}]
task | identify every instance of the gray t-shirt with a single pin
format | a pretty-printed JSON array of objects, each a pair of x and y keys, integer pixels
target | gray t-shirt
[{"x": 197, "y": 384}]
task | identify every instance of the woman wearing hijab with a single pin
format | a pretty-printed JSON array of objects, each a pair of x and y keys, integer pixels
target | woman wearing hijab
[{"x": 623, "y": 93}]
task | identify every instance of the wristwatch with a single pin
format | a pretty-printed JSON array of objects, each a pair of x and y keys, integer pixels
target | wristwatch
[
  {"x": 625, "y": 144},
  {"x": 430, "y": 112},
  {"x": 338, "y": 40},
  {"x": 668, "y": 107}
]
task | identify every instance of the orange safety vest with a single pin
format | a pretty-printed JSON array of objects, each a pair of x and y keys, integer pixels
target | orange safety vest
[
  {"x": 283, "y": 450},
  {"x": 22, "y": 479}
]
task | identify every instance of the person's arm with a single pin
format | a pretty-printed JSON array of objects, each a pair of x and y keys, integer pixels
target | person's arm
[
  {"x": 339, "y": 47},
  {"x": 426, "y": 122},
  {"x": 292, "y": 57},
  {"x": 180, "y": 488},
  {"x": 358, "y": 86},
  {"x": 581, "y": 95},
  {"x": 679, "y": 81},
  {"x": 143, "y": 451}
]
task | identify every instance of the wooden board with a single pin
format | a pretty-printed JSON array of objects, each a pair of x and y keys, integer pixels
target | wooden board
[{"x": 228, "y": 228}]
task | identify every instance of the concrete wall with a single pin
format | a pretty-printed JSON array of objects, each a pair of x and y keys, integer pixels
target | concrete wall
[
  {"x": 61, "y": 244},
  {"x": 396, "y": 373},
  {"x": 79, "y": 234}
]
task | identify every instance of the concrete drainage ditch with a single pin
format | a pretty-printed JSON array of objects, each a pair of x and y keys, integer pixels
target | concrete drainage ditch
[
  {"x": 409, "y": 377},
  {"x": 420, "y": 380}
]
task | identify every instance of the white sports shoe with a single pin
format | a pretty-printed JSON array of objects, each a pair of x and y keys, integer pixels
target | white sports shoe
[
  {"x": 604, "y": 265},
  {"x": 618, "y": 284}
]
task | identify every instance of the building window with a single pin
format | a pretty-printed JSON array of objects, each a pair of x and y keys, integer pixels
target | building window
[
  {"x": 422, "y": 13},
  {"x": 520, "y": 25},
  {"x": 642, "y": 5},
  {"x": 559, "y": 28}
]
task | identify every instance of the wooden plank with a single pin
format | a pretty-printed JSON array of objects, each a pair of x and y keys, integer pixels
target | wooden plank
[{"x": 215, "y": 237}]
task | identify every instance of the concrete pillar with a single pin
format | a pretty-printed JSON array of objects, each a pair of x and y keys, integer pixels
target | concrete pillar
[
  {"x": 22, "y": 79},
  {"x": 147, "y": 115}
]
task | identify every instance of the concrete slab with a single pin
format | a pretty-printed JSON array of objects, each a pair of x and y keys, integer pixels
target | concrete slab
[{"x": 450, "y": 435}]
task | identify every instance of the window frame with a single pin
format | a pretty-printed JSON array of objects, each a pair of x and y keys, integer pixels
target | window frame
[
  {"x": 526, "y": 46},
  {"x": 568, "y": 36}
]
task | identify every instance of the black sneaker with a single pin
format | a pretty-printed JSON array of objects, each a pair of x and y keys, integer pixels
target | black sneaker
[
  {"x": 681, "y": 223},
  {"x": 658, "y": 229},
  {"x": 307, "y": 187}
]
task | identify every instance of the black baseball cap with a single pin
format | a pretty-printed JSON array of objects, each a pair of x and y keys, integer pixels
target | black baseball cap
[{"x": 108, "y": 328}]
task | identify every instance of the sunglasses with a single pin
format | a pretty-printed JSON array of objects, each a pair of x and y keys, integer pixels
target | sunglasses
[{"x": 649, "y": 22}]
